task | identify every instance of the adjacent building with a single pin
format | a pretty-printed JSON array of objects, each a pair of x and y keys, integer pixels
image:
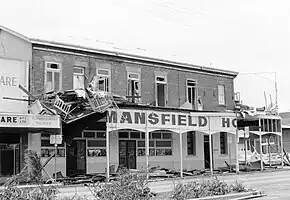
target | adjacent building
[{"x": 18, "y": 129}]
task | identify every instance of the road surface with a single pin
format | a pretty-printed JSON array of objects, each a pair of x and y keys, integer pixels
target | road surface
[{"x": 275, "y": 184}]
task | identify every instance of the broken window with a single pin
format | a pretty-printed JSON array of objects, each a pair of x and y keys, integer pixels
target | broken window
[
  {"x": 133, "y": 90},
  {"x": 192, "y": 93},
  {"x": 161, "y": 90},
  {"x": 103, "y": 80},
  {"x": 221, "y": 95},
  {"x": 78, "y": 77},
  {"x": 52, "y": 81}
]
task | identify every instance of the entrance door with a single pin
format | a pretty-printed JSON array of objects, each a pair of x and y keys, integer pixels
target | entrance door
[
  {"x": 76, "y": 158},
  {"x": 9, "y": 159},
  {"x": 206, "y": 152},
  {"x": 127, "y": 154}
]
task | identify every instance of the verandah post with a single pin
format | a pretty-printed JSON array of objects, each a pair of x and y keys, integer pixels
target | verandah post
[
  {"x": 210, "y": 147},
  {"x": 260, "y": 136},
  {"x": 107, "y": 151},
  {"x": 147, "y": 150},
  {"x": 237, "y": 146},
  {"x": 181, "y": 153}
]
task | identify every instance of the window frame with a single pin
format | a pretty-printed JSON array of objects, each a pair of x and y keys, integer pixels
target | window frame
[
  {"x": 53, "y": 71},
  {"x": 195, "y": 105},
  {"x": 108, "y": 76},
  {"x": 225, "y": 150},
  {"x": 193, "y": 141},
  {"x": 95, "y": 138},
  {"x": 165, "y": 83},
  {"x": 79, "y": 74},
  {"x": 51, "y": 148},
  {"x": 223, "y": 103},
  {"x": 137, "y": 100},
  {"x": 152, "y": 143}
]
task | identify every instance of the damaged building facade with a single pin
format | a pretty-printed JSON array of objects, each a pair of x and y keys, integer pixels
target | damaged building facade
[
  {"x": 19, "y": 129},
  {"x": 172, "y": 115}
]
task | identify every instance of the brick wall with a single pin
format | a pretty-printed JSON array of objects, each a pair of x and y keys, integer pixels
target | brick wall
[{"x": 176, "y": 79}]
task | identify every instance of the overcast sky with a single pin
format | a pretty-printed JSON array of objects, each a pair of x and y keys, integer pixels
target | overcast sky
[{"x": 247, "y": 36}]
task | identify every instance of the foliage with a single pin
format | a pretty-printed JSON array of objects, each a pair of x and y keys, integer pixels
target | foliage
[
  {"x": 16, "y": 193},
  {"x": 128, "y": 186},
  {"x": 239, "y": 186},
  {"x": 217, "y": 187},
  {"x": 205, "y": 188},
  {"x": 32, "y": 170},
  {"x": 34, "y": 166}
]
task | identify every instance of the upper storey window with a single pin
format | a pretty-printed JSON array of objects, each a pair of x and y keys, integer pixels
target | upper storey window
[
  {"x": 161, "y": 90},
  {"x": 52, "y": 79},
  {"x": 103, "y": 80},
  {"x": 133, "y": 89}
]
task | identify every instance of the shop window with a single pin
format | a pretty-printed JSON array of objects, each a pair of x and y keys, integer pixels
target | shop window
[
  {"x": 192, "y": 93},
  {"x": 52, "y": 79},
  {"x": 101, "y": 134},
  {"x": 143, "y": 135},
  {"x": 221, "y": 95},
  {"x": 96, "y": 143},
  {"x": 141, "y": 144},
  {"x": 88, "y": 134},
  {"x": 166, "y": 135},
  {"x": 135, "y": 135},
  {"x": 156, "y": 135},
  {"x": 223, "y": 143},
  {"x": 96, "y": 148},
  {"x": 163, "y": 143},
  {"x": 123, "y": 134},
  {"x": 134, "y": 89},
  {"x": 48, "y": 149},
  {"x": 103, "y": 80},
  {"x": 161, "y": 91},
  {"x": 160, "y": 144},
  {"x": 191, "y": 143}
]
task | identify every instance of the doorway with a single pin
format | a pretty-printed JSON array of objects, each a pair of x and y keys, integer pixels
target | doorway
[
  {"x": 127, "y": 154},
  {"x": 76, "y": 158},
  {"x": 207, "y": 161}
]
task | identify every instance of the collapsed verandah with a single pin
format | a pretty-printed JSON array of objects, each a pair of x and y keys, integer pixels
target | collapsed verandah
[
  {"x": 261, "y": 126},
  {"x": 176, "y": 120}
]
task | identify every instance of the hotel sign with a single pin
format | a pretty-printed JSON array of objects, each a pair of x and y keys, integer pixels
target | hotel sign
[
  {"x": 184, "y": 121},
  {"x": 29, "y": 121}
]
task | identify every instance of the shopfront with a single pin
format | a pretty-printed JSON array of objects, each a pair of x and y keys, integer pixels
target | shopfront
[
  {"x": 174, "y": 139},
  {"x": 19, "y": 132}
]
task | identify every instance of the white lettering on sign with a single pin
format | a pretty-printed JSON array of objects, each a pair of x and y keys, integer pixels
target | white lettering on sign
[{"x": 8, "y": 81}]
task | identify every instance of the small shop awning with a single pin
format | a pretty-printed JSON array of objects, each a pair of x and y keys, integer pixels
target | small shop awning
[{"x": 16, "y": 123}]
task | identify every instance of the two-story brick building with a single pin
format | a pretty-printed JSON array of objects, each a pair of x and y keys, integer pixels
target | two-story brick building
[{"x": 183, "y": 117}]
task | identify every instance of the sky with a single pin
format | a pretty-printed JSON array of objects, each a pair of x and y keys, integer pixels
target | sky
[{"x": 251, "y": 37}]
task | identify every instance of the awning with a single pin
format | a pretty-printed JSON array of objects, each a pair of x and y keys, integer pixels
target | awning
[{"x": 11, "y": 122}]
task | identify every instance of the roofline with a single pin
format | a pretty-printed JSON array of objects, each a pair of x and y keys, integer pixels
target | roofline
[
  {"x": 130, "y": 56},
  {"x": 15, "y": 33}
]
